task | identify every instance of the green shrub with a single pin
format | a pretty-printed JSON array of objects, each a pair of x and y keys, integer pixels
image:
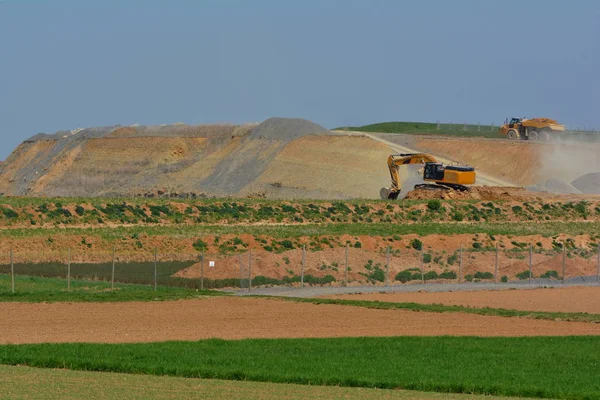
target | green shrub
[
  {"x": 458, "y": 216},
  {"x": 200, "y": 245},
  {"x": 357, "y": 245},
  {"x": 550, "y": 275},
  {"x": 448, "y": 275},
  {"x": 434, "y": 205},
  {"x": 80, "y": 211},
  {"x": 416, "y": 276},
  {"x": 403, "y": 276},
  {"x": 430, "y": 275},
  {"x": 426, "y": 258},
  {"x": 523, "y": 275},
  {"x": 469, "y": 278},
  {"x": 416, "y": 244},
  {"x": 9, "y": 213},
  {"x": 504, "y": 279},
  {"x": 477, "y": 245},
  {"x": 452, "y": 259},
  {"x": 483, "y": 275}
]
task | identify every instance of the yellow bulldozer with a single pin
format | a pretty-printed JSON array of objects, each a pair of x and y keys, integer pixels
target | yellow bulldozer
[
  {"x": 437, "y": 175},
  {"x": 530, "y": 129}
]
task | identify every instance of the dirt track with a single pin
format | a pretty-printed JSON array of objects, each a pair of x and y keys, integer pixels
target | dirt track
[
  {"x": 569, "y": 299},
  {"x": 238, "y": 318}
]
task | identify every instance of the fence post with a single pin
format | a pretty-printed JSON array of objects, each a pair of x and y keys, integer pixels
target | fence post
[
  {"x": 598, "y": 273},
  {"x": 241, "y": 271},
  {"x": 530, "y": 261},
  {"x": 155, "y": 269},
  {"x": 460, "y": 264},
  {"x": 202, "y": 272},
  {"x": 422, "y": 273},
  {"x": 69, "y": 269},
  {"x": 564, "y": 259},
  {"x": 302, "y": 266},
  {"x": 346, "y": 272},
  {"x": 387, "y": 267},
  {"x": 12, "y": 271},
  {"x": 496, "y": 265},
  {"x": 250, "y": 270},
  {"x": 112, "y": 277}
]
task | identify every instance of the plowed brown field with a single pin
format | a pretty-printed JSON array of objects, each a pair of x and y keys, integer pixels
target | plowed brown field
[
  {"x": 238, "y": 318},
  {"x": 569, "y": 299}
]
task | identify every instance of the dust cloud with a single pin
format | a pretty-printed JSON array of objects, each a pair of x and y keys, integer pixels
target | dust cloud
[{"x": 565, "y": 161}]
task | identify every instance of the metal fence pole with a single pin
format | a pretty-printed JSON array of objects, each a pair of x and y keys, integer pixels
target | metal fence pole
[
  {"x": 564, "y": 260},
  {"x": 302, "y": 266},
  {"x": 496, "y": 265},
  {"x": 250, "y": 270},
  {"x": 346, "y": 271},
  {"x": 530, "y": 261},
  {"x": 598, "y": 272},
  {"x": 460, "y": 264},
  {"x": 241, "y": 271},
  {"x": 422, "y": 273},
  {"x": 12, "y": 271},
  {"x": 112, "y": 278},
  {"x": 69, "y": 269},
  {"x": 155, "y": 269},
  {"x": 387, "y": 267},
  {"x": 202, "y": 271}
]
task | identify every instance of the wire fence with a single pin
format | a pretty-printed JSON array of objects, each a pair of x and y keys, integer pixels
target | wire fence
[{"x": 345, "y": 266}]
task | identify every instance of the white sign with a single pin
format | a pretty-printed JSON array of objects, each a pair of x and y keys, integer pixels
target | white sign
[{"x": 211, "y": 264}]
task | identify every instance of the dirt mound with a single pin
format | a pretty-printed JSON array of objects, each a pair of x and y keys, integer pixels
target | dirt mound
[
  {"x": 280, "y": 158},
  {"x": 286, "y": 129},
  {"x": 474, "y": 193},
  {"x": 251, "y": 159},
  {"x": 556, "y": 185},
  {"x": 588, "y": 183}
]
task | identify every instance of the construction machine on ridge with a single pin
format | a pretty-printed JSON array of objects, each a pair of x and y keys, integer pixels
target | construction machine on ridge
[
  {"x": 437, "y": 175},
  {"x": 530, "y": 129}
]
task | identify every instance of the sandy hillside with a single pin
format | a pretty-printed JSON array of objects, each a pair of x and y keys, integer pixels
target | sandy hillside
[{"x": 280, "y": 158}]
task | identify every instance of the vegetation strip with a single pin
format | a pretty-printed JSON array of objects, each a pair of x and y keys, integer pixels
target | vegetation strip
[
  {"x": 499, "y": 366},
  {"x": 36, "y": 290},
  {"x": 440, "y": 308},
  {"x": 546, "y": 229},
  {"x": 42, "y": 383}
]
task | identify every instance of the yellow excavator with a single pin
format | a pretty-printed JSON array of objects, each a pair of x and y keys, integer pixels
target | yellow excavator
[{"x": 438, "y": 175}]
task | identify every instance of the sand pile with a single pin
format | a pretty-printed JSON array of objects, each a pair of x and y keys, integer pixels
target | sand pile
[
  {"x": 588, "y": 183},
  {"x": 256, "y": 151},
  {"x": 555, "y": 185},
  {"x": 281, "y": 158},
  {"x": 474, "y": 193},
  {"x": 286, "y": 129}
]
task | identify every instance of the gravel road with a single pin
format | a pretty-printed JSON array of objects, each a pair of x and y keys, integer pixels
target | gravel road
[{"x": 316, "y": 291}]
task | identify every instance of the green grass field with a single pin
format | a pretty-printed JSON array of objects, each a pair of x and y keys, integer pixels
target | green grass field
[
  {"x": 544, "y": 367},
  {"x": 37, "y": 289},
  {"x": 53, "y": 384},
  {"x": 428, "y": 128},
  {"x": 456, "y": 130}
]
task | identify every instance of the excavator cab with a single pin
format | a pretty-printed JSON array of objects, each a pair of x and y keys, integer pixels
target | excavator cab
[{"x": 434, "y": 172}]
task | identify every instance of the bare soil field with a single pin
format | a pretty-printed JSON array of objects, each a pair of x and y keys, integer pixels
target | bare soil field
[
  {"x": 239, "y": 318},
  {"x": 568, "y": 299}
]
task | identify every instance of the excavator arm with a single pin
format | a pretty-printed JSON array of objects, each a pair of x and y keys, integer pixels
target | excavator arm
[{"x": 397, "y": 160}]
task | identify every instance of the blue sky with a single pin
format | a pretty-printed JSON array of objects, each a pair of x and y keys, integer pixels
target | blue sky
[{"x": 68, "y": 64}]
